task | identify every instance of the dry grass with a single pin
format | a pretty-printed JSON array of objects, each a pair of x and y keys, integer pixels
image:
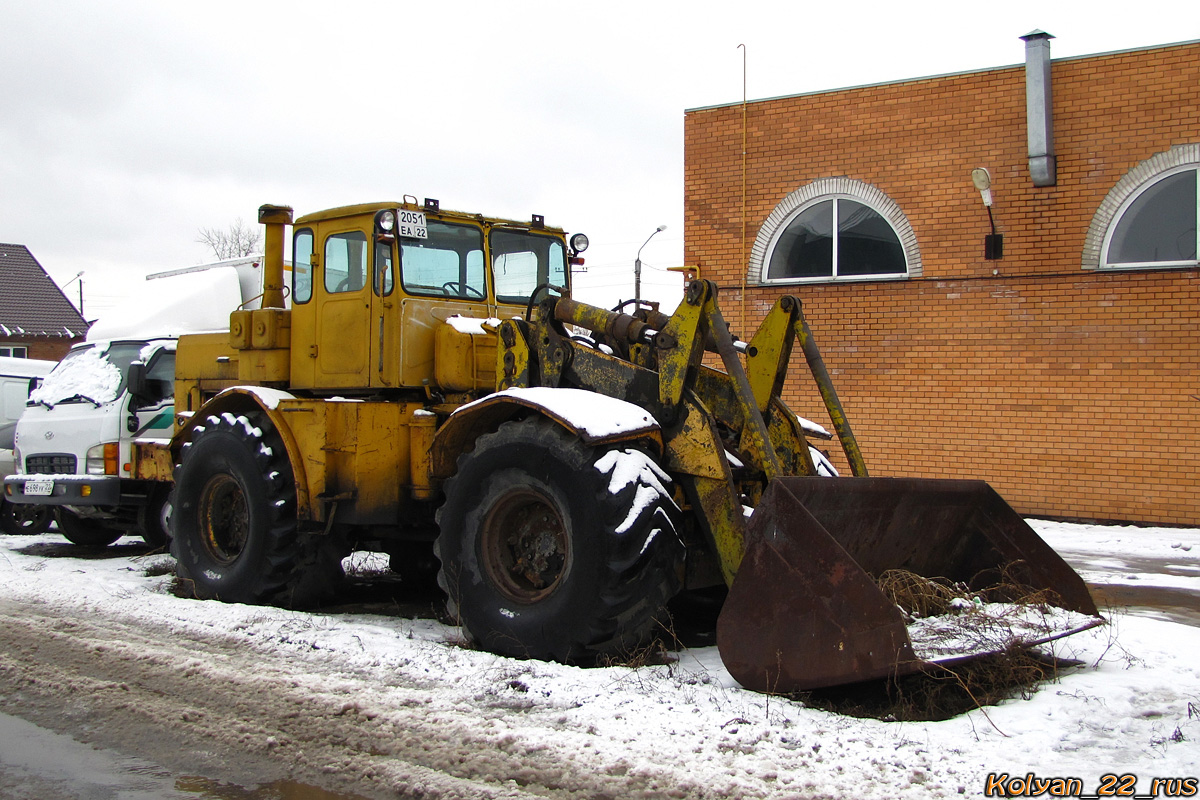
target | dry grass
[{"x": 943, "y": 692}]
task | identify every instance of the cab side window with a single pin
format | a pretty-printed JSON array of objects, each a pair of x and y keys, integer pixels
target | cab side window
[
  {"x": 383, "y": 269},
  {"x": 302, "y": 248},
  {"x": 345, "y": 262},
  {"x": 160, "y": 378}
]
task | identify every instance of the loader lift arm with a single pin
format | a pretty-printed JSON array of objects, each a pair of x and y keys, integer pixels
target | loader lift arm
[{"x": 804, "y": 610}]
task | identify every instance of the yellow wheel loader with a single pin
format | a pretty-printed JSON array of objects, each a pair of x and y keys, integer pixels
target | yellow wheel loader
[{"x": 562, "y": 471}]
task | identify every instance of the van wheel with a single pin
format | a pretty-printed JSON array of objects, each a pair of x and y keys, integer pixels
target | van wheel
[
  {"x": 154, "y": 518},
  {"x": 555, "y": 550},
  {"x": 19, "y": 519},
  {"x": 83, "y": 531},
  {"x": 234, "y": 519}
]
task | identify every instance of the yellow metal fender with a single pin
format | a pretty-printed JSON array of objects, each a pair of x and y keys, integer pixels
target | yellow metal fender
[
  {"x": 458, "y": 434},
  {"x": 240, "y": 400}
]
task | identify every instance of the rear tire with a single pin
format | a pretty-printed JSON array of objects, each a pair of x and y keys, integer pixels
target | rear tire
[
  {"x": 234, "y": 532},
  {"x": 83, "y": 531},
  {"x": 22, "y": 519},
  {"x": 154, "y": 518},
  {"x": 540, "y": 559}
]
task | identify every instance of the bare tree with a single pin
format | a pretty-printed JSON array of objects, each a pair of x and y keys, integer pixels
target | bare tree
[{"x": 238, "y": 240}]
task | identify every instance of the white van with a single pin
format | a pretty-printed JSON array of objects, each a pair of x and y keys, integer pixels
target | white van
[
  {"x": 18, "y": 377},
  {"x": 74, "y": 441}
]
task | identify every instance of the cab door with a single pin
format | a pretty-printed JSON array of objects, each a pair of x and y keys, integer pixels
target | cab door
[
  {"x": 343, "y": 312},
  {"x": 384, "y": 345}
]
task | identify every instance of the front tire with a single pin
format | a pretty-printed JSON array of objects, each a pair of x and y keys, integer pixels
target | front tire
[
  {"x": 21, "y": 519},
  {"x": 234, "y": 532},
  {"x": 555, "y": 550}
]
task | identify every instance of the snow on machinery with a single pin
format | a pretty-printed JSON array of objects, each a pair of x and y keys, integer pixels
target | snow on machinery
[{"x": 425, "y": 397}]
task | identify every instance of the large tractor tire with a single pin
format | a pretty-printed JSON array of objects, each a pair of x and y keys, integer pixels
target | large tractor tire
[
  {"x": 17, "y": 519},
  {"x": 83, "y": 531},
  {"x": 555, "y": 550},
  {"x": 234, "y": 532}
]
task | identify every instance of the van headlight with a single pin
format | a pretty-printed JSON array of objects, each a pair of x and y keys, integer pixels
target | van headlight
[{"x": 101, "y": 459}]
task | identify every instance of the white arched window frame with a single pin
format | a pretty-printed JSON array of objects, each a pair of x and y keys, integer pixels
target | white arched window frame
[
  {"x": 807, "y": 197},
  {"x": 1174, "y": 171}
]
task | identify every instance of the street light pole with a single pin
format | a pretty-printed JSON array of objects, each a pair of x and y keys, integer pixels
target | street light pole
[
  {"x": 637, "y": 264},
  {"x": 77, "y": 277}
]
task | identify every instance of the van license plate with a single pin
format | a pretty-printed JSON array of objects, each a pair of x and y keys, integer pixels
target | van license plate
[{"x": 39, "y": 488}]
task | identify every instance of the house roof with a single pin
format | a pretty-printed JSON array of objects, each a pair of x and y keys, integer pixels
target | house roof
[{"x": 31, "y": 304}]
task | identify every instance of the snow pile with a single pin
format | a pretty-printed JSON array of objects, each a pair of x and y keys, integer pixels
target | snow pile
[{"x": 85, "y": 373}]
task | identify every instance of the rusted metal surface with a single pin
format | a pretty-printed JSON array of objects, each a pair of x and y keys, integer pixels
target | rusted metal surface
[
  {"x": 837, "y": 414},
  {"x": 805, "y": 612}
]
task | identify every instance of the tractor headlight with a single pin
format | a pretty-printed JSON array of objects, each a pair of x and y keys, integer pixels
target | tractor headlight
[
  {"x": 579, "y": 242},
  {"x": 385, "y": 221}
]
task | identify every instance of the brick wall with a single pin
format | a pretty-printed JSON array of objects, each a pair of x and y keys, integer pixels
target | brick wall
[
  {"x": 45, "y": 349},
  {"x": 1070, "y": 390}
]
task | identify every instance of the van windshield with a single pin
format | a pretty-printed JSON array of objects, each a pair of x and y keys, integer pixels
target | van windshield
[{"x": 92, "y": 374}]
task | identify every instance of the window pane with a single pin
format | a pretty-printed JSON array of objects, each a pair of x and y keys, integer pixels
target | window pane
[
  {"x": 1160, "y": 225},
  {"x": 805, "y": 248},
  {"x": 447, "y": 264},
  {"x": 867, "y": 245},
  {"x": 302, "y": 248},
  {"x": 345, "y": 262},
  {"x": 383, "y": 261},
  {"x": 523, "y": 261}
]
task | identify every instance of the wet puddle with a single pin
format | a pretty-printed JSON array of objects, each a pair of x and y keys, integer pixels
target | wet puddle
[{"x": 39, "y": 764}]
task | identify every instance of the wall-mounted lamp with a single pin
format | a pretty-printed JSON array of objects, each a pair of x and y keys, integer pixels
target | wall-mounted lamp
[{"x": 993, "y": 243}]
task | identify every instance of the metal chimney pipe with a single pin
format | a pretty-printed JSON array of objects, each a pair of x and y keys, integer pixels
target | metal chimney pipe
[
  {"x": 274, "y": 218},
  {"x": 1039, "y": 120}
]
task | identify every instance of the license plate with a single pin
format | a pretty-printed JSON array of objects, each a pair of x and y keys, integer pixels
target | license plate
[
  {"x": 39, "y": 488},
  {"x": 411, "y": 225}
]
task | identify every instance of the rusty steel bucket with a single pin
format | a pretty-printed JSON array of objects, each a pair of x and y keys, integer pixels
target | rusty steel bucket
[{"x": 805, "y": 611}]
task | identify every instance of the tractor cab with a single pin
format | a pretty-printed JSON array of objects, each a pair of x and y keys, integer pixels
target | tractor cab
[{"x": 372, "y": 283}]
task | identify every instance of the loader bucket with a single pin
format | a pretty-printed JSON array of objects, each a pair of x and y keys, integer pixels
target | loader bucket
[{"x": 805, "y": 611}]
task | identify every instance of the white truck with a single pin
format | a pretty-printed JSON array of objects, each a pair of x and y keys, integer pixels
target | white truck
[
  {"x": 74, "y": 441},
  {"x": 18, "y": 377}
]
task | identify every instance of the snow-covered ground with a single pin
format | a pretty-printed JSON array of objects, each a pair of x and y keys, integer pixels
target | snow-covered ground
[{"x": 686, "y": 729}]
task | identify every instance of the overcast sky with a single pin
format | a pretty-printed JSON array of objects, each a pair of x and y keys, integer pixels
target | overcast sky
[{"x": 125, "y": 127}]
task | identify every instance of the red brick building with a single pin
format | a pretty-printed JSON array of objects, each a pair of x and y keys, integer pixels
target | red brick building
[{"x": 1066, "y": 372}]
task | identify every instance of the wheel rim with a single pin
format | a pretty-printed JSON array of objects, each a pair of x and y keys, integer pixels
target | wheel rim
[
  {"x": 224, "y": 519},
  {"x": 526, "y": 549},
  {"x": 30, "y": 517}
]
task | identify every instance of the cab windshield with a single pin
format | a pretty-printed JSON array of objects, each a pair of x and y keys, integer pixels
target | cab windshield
[
  {"x": 88, "y": 375},
  {"x": 522, "y": 261}
]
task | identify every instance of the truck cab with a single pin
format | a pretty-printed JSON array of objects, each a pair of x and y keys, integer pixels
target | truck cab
[{"x": 73, "y": 443}]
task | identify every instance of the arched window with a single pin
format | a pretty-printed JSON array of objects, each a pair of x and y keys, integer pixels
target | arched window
[
  {"x": 1148, "y": 220},
  {"x": 1156, "y": 227},
  {"x": 834, "y": 229}
]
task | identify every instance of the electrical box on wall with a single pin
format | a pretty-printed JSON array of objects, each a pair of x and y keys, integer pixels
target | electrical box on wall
[{"x": 993, "y": 246}]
